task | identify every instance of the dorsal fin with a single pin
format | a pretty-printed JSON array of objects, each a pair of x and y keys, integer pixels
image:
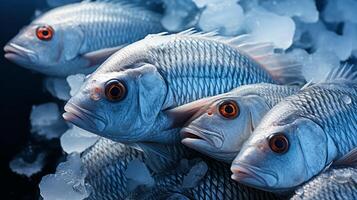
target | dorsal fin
[
  {"x": 283, "y": 68},
  {"x": 344, "y": 72}
]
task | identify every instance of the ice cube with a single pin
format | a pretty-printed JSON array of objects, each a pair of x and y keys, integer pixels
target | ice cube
[
  {"x": 24, "y": 166},
  {"x": 350, "y": 32},
  {"x": 224, "y": 16},
  {"x": 339, "y": 44},
  {"x": 305, "y": 10},
  {"x": 266, "y": 26},
  {"x": 58, "y": 87},
  {"x": 138, "y": 175},
  {"x": 340, "y": 11},
  {"x": 179, "y": 15},
  {"x": 316, "y": 65},
  {"x": 75, "y": 82},
  {"x": 77, "y": 140},
  {"x": 194, "y": 176},
  {"x": 47, "y": 121},
  {"x": 67, "y": 183}
]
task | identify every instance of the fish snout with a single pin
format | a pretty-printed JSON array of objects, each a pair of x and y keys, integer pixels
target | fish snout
[
  {"x": 19, "y": 54},
  {"x": 84, "y": 118},
  {"x": 193, "y": 133},
  {"x": 253, "y": 176}
]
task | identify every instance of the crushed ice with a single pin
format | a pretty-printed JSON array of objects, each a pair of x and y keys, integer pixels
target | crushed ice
[{"x": 67, "y": 183}]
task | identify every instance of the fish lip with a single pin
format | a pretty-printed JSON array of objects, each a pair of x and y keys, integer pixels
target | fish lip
[
  {"x": 17, "y": 53},
  {"x": 242, "y": 172},
  {"x": 80, "y": 117},
  {"x": 201, "y": 135}
]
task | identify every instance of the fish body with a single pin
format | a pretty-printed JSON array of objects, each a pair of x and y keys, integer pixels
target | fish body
[
  {"x": 224, "y": 123},
  {"x": 161, "y": 72},
  {"x": 76, "y": 38},
  {"x": 107, "y": 161},
  {"x": 302, "y": 135},
  {"x": 334, "y": 184}
]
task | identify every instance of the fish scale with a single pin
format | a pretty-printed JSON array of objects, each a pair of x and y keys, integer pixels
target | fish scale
[
  {"x": 334, "y": 184},
  {"x": 216, "y": 184},
  {"x": 216, "y": 72},
  {"x": 107, "y": 161},
  {"x": 322, "y": 103}
]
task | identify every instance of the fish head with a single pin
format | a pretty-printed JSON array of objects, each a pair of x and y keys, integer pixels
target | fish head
[
  {"x": 48, "y": 47},
  {"x": 121, "y": 106},
  {"x": 220, "y": 128},
  {"x": 282, "y": 153}
]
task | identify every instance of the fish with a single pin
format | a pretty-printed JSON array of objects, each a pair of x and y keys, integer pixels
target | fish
[
  {"x": 224, "y": 123},
  {"x": 107, "y": 161},
  {"x": 334, "y": 184},
  {"x": 131, "y": 96},
  {"x": 78, "y": 37},
  {"x": 303, "y": 135}
]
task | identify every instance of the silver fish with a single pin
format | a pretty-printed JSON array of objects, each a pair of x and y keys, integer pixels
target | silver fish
[
  {"x": 127, "y": 97},
  {"x": 302, "y": 135},
  {"x": 76, "y": 38},
  {"x": 224, "y": 123},
  {"x": 334, "y": 184},
  {"x": 107, "y": 161}
]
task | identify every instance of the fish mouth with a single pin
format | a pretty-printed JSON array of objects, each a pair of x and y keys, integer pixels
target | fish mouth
[
  {"x": 193, "y": 135},
  {"x": 83, "y": 118},
  {"x": 19, "y": 54},
  {"x": 253, "y": 176}
]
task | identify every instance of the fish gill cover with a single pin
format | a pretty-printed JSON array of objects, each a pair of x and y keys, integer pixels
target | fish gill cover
[{"x": 68, "y": 37}]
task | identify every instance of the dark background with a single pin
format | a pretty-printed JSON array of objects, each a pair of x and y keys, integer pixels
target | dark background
[{"x": 20, "y": 89}]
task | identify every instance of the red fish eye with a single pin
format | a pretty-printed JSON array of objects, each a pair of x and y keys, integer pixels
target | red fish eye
[
  {"x": 229, "y": 109},
  {"x": 279, "y": 143},
  {"x": 115, "y": 90},
  {"x": 44, "y": 32}
]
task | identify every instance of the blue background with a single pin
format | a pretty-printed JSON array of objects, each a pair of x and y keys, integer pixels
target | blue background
[{"x": 20, "y": 89}]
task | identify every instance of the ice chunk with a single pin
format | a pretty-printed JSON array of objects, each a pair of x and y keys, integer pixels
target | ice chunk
[
  {"x": 339, "y": 11},
  {"x": 179, "y": 15},
  {"x": 58, "y": 87},
  {"x": 305, "y": 10},
  {"x": 47, "y": 121},
  {"x": 316, "y": 65},
  {"x": 77, "y": 140},
  {"x": 194, "y": 176},
  {"x": 330, "y": 41},
  {"x": 75, "y": 82},
  {"x": 350, "y": 32},
  {"x": 224, "y": 16},
  {"x": 138, "y": 175},
  {"x": 67, "y": 183},
  {"x": 28, "y": 162},
  {"x": 265, "y": 26}
]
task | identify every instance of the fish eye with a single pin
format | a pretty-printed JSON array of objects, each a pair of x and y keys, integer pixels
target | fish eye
[
  {"x": 115, "y": 90},
  {"x": 279, "y": 143},
  {"x": 44, "y": 32},
  {"x": 229, "y": 109}
]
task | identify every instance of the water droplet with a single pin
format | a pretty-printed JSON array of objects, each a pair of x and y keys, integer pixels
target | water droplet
[{"x": 347, "y": 99}]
